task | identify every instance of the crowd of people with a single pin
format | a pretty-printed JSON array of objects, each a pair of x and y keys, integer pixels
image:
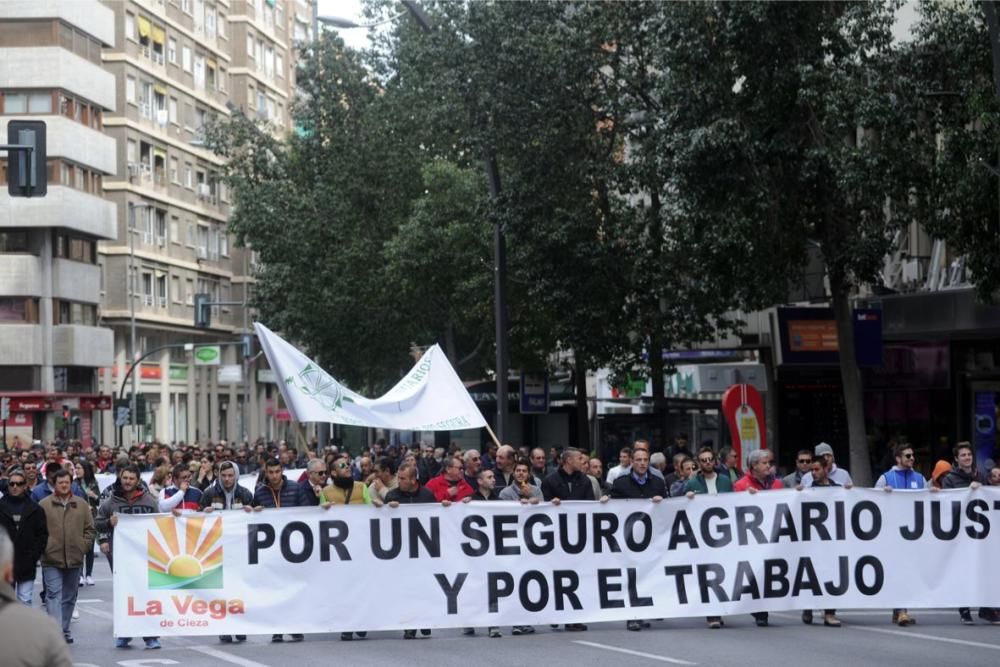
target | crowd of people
[{"x": 53, "y": 510}]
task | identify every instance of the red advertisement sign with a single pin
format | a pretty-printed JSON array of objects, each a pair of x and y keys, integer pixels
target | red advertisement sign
[{"x": 744, "y": 410}]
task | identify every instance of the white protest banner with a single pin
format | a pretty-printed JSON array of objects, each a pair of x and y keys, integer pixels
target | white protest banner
[
  {"x": 431, "y": 397},
  {"x": 301, "y": 570}
]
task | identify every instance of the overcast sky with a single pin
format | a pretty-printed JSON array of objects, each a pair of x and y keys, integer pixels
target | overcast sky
[{"x": 346, "y": 9}]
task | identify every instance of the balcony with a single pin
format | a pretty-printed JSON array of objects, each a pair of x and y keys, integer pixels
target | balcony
[
  {"x": 55, "y": 67},
  {"x": 75, "y": 141},
  {"x": 76, "y": 281},
  {"x": 61, "y": 207},
  {"x": 20, "y": 275},
  {"x": 21, "y": 345},
  {"x": 78, "y": 345},
  {"x": 90, "y": 16}
]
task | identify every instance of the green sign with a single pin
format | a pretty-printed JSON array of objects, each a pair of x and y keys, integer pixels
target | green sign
[
  {"x": 178, "y": 372},
  {"x": 207, "y": 355}
]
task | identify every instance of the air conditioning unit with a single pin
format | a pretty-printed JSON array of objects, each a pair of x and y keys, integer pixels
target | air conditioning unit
[
  {"x": 204, "y": 190},
  {"x": 202, "y": 253},
  {"x": 134, "y": 169},
  {"x": 162, "y": 117}
]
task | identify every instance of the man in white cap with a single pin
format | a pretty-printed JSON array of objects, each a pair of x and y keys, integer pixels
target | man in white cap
[{"x": 824, "y": 454}]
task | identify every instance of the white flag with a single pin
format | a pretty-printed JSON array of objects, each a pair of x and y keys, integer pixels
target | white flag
[{"x": 431, "y": 397}]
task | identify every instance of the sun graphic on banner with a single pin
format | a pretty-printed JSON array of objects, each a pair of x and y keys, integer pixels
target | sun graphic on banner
[{"x": 197, "y": 565}]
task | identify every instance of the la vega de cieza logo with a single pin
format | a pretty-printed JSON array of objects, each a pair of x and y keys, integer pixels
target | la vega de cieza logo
[{"x": 190, "y": 560}]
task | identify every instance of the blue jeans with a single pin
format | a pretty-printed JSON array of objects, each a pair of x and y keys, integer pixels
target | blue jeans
[
  {"x": 25, "y": 591},
  {"x": 61, "y": 588}
]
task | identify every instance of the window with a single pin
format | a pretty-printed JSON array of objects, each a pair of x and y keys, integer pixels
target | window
[
  {"x": 189, "y": 235},
  {"x": 40, "y": 102},
  {"x": 175, "y": 171},
  {"x": 129, "y": 26},
  {"x": 172, "y": 50},
  {"x": 279, "y": 66},
  {"x": 223, "y": 243},
  {"x": 172, "y": 110},
  {"x": 77, "y": 248},
  {"x": 186, "y": 6},
  {"x": 14, "y": 242},
  {"x": 131, "y": 150},
  {"x": 188, "y": 116},
  {"x": 188, "y": 176},
  {"x": 147, "y": 288},
  {"x": 161, "y": 226},
  {"x": 146, "y": 99},
  {"x": 161, "y": 289},
  {"x": 175, "y": 230},
  {"x": 186, "y": 58},
  {"x": 210, "y": 22},
  {"x": 189, "y": 292},
  {"x": 74, "y": 312},
  {"x": 199, "y": 72},
  {"x": 176, "y": 289},
  {"x": 130, "y": 89},
  {"x": 222, "y": 79},
  {"x": 221, "y": 25},
  {"x": 19, "y": 309},
  {"x": 16, "y": 103}
]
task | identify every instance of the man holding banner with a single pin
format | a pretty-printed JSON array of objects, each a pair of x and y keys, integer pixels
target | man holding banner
[
  {"x": 226, "y": 494},
  {"x": 408, "y": 492},
  {"x": 759, "y": 477},
  {"x": 708, "y": 481}
]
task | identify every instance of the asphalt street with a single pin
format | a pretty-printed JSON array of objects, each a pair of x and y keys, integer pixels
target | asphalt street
[{"x": 866, "y": 638}]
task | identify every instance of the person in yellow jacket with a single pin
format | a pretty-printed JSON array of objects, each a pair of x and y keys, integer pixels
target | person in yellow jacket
[{"x": 344, "y": 490}]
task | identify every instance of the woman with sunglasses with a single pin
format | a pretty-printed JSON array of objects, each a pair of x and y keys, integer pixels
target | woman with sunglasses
[{"x": 27, "y": 527}]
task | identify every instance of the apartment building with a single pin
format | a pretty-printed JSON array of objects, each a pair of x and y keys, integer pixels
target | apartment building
[
  {"x": 176, "y": 65},
  {"x": 51, "y": 343}
]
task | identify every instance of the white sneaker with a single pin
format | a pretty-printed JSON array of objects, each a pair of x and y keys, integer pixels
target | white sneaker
[
  {"x": 81, "y": 580},
  {"x": 76, "y": 613},
  {"x": 90, "y": 581}
]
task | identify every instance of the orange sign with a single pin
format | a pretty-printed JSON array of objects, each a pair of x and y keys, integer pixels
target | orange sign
[{"x": 812, "y": 336}]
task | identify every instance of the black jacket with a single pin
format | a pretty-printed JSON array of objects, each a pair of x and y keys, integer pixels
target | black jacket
[
  {"x": 568, "y": 487},
  {"x": 215, "y": 494},
  {"x": 625, "y": 486},
  {"x": 29, "y": 535},
  {"x": 421, "y": 495},
  {"x": 959, "y": 479}
]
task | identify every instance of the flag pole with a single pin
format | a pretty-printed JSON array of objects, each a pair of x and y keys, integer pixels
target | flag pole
[{"x": 493, "y": 436}]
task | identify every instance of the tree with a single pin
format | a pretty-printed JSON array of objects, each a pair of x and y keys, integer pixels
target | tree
[{"x": 780, "y": 133}]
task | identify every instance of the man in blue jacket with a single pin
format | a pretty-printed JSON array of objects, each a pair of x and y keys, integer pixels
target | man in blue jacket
[{"x": 275, "y": 493}]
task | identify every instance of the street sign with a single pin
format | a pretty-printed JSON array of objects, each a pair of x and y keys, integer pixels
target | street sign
[
  {"x": 534, "y": 393},
  {"x": 207, "y": 355}
]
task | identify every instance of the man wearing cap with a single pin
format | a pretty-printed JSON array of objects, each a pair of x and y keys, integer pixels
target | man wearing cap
[{"x": 824, "y": 454}]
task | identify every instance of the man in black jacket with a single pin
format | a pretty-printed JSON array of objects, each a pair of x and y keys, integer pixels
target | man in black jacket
[
  {"x": 409, "y": 491},
  {"x": 570, "y": 482},
  {"x": 25, "y": 523},
  {"x": 965, "y": 475},
  {"x": 639, "y": 483},
  {"x": 225, "y": 493}
]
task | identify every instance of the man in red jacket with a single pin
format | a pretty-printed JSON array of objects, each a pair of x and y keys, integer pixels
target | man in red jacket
[
  {"x": 450, "y": 484},
  {"x": 759, "y": 477}
]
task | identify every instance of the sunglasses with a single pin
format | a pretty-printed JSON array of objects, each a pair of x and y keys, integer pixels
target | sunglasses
[
  {"x": 806, "y": 461},
  {"x": 908, "y": 456},
  {"x": 342, "y": 466},
  {"x": 705, "y": 460},
  {"x": 320, "y": 472},
  {"x": 15, "y": 483}
]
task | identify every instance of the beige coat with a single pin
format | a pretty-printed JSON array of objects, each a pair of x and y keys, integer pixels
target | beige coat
[
  {"x": 71, "y": 531},
  {"x": 29, "y": 637}
]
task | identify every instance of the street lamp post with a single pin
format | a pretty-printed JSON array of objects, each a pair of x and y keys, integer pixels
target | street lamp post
[
  {"x": 131, "y": 308},
  {"x": 499, "y": 238}
]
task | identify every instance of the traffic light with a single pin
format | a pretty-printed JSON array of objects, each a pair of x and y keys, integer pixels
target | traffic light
[
  {"x": 140, "y": 409},
  {"x": 202, "y": 311},
  {"x": 27, "y": 173}
]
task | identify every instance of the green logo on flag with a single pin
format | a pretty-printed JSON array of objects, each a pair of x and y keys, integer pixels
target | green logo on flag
[{"x": 315, "y": 383}]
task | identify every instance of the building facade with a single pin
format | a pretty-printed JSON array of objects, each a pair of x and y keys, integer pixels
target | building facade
[
  {"x": 131, "y": 86},
  {"x": 51, "y": 342}
]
